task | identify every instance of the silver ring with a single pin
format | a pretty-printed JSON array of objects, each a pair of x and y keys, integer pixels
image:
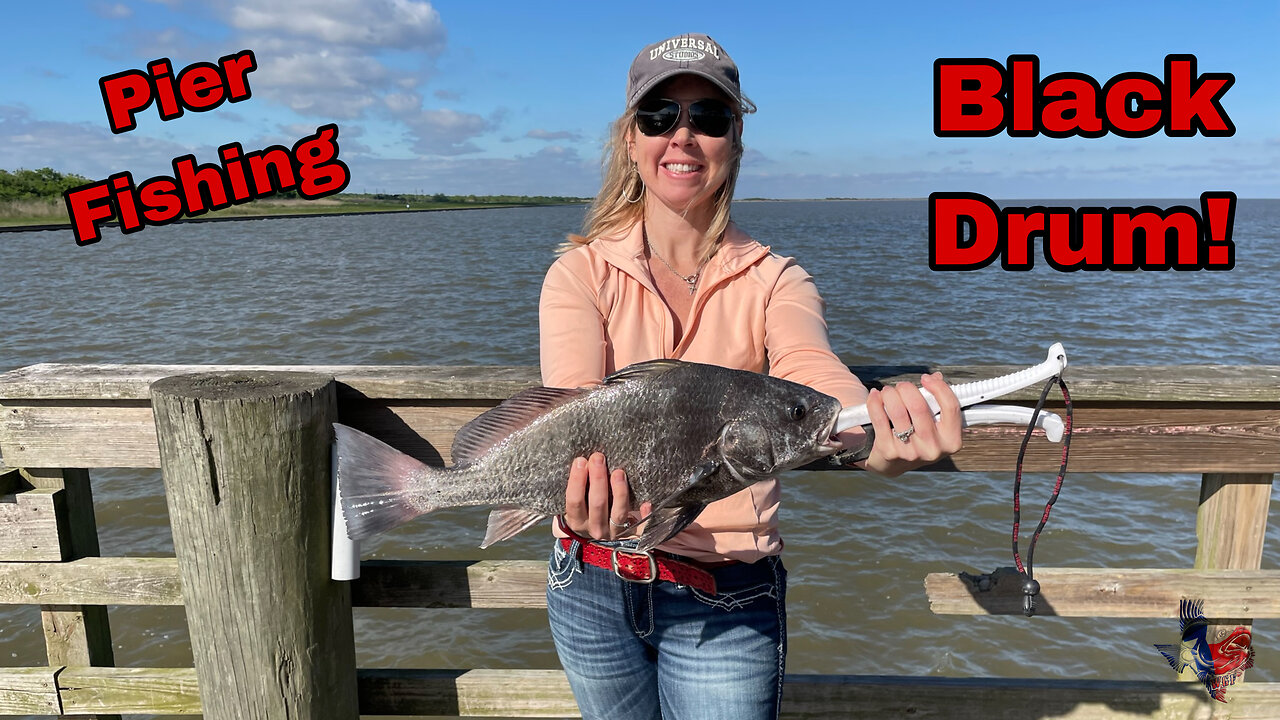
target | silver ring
[
  {"x": 624, "y": 526},
  {"x": 905, "y": 435}
]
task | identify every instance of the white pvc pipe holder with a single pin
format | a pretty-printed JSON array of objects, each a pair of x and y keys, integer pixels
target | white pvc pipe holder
[{"x": 346, "y": 552}]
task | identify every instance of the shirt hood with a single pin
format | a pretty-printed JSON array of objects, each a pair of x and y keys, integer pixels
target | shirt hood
[{"x": 737, "y": 252}]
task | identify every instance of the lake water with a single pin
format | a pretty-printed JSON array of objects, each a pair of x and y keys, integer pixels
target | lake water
[{"x": 462, "y": 288}]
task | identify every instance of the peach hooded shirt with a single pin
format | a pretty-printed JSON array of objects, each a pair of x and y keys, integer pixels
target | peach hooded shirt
[{"x": 753, "y": 310}]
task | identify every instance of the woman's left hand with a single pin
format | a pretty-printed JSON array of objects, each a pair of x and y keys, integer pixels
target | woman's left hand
[{"x": 907, "y": 436}]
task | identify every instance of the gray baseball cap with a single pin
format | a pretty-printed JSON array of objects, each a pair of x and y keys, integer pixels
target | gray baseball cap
[{"x": 695, "y": 54}]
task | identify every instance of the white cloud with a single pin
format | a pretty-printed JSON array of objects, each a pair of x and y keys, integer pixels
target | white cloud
[
  {"x": 293, "y": 132},
  {"x": 558, "y": 152},
  {"x": 540, "y": 134},
  {"x": 84, "y": 148},
  {"x": 751, "y": 157},
  {"x": 326, "y": 59},
  {"x": 403, "y": 104},
  {"x": 370, "y": 24},
  {"x": 446, "y": 132},
  {"x": 181, "y": 46},
  {"x": 112, "y": 11},
  {"x": 334, "y": 83},
  {"x": 555, "y": 173}
]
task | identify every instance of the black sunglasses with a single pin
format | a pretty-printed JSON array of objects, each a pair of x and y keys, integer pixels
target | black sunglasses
[{"x": 709, "y": 117}]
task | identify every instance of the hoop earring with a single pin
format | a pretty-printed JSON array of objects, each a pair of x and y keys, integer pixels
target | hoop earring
[{"x": 636, "y": 171}]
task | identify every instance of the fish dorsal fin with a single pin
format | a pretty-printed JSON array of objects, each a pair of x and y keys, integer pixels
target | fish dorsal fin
[
  {"x": 640, "y": 370},
  {"x": 518, "y": 411},
  {"x": 509, "y": 521}
]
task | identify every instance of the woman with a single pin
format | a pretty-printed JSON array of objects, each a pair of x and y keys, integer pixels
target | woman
[{"x": 661, "y": 272}]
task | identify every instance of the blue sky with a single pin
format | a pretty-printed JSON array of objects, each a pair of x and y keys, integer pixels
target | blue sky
[{"x": 515, "y": 97}]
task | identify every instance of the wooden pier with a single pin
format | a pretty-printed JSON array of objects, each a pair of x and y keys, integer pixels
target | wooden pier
[{"x": 57, "y": 422}]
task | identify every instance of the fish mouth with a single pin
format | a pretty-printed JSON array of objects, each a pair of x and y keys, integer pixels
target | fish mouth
[{"x": 832, "y": 444}]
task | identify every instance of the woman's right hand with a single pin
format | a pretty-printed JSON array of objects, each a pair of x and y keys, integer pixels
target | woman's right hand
[{"x": 597, "y": 503}]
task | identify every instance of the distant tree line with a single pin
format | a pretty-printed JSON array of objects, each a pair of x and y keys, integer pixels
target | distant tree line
[
  {"x": 42, "y": 184},
  {"x": 49, "y": 184},
  {"x": 468, "y": 199}
]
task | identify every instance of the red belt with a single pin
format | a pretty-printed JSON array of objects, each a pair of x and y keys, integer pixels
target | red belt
[{"x": 641, "y": 567}]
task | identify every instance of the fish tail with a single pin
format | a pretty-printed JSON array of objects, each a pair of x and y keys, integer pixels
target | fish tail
[{"x": 379, "y": 486}]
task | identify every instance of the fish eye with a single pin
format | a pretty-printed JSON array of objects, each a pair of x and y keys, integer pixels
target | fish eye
[{"x": 796, "y": 412}]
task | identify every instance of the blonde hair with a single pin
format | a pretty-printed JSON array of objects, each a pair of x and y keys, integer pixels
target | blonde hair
[{"x": 611, "y": 213}]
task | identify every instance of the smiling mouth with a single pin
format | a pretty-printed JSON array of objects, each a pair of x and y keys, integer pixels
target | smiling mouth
[{"x": 681, "y": 168}]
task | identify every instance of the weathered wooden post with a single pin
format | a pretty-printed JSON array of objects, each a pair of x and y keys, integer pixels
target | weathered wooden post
[
  {"x": 245, "y": 457},
  {"x": 1231, "y": 526}
]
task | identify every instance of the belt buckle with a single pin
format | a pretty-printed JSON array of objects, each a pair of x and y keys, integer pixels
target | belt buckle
[{"x": 653, "y": 565}]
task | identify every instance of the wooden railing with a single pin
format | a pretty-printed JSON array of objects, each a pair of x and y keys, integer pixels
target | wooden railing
[{"x": 57, "y": 420}]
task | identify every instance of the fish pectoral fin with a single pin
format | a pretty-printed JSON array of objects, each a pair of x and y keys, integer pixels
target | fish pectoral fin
[
  {"x": 673, "y": 513},
  {"x": 700, "y": 473},
  {"x": 665, "y": 523},
  {"x": 509, "y": 521}
]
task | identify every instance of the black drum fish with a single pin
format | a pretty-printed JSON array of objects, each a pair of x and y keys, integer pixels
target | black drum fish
[{"x": 686, "y": 434}]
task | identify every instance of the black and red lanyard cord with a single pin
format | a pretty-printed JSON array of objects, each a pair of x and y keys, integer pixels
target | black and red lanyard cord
[{"x": 1031, "y": 588}]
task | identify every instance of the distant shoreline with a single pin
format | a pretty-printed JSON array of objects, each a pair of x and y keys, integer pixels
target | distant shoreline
[
  {"x": 278, "y": 210},
  {"x": 325, "y": 207},
  {"x": 831, "y": 199}
]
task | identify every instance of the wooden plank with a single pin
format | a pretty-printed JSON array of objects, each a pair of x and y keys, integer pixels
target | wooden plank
[
  {"x": 92, "y": 581},
  {"x": 1128, "y": 383},
  {"x": 1182, "y": 418},
  {"x": 81, "y": 433},
  {"x": 168, "y": 691},
  {"x": 545, "y": 693},
  {"x": 443, "y": 584},
  {"x": 1146, "y": 439},
  {"x": 467, "y": 693},
  {"x": 53, "y": 381},
  {"x": 247, "y": 479},
  {"x": 155, "y": 581},
  {"x": 871, "y": 698},
  {"x": 123, "y": 434},
  {"x": 29, "y": 691},
  {"x": 29, "y": 530},
  {"x": 1225, "y": 437},
  {"x": 1111, "y": 592}
]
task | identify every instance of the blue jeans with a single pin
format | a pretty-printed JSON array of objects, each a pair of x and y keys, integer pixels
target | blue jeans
[{"x": 661, "y": 650}]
